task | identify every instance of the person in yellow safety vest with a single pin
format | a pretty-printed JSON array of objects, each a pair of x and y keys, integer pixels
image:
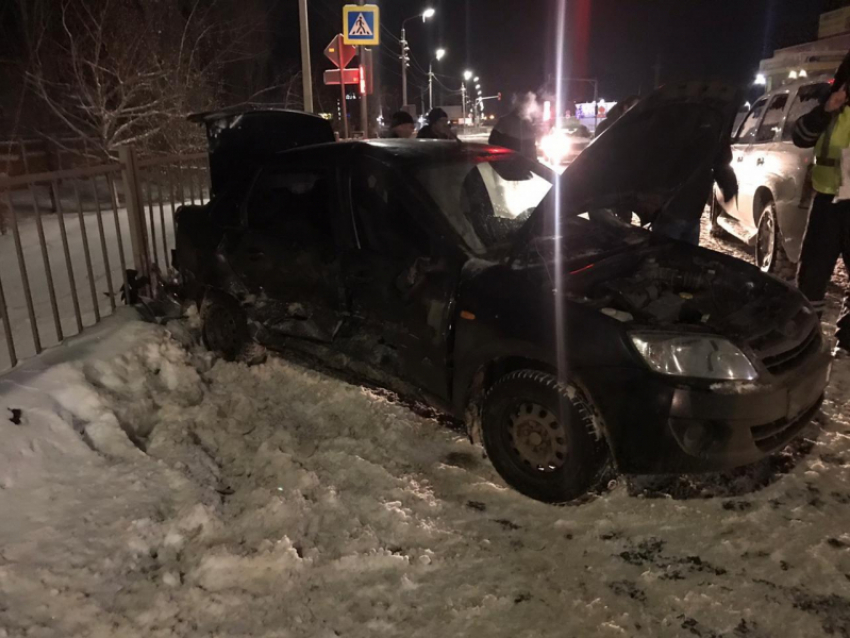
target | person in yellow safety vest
[{"x": 827, "y": 129}]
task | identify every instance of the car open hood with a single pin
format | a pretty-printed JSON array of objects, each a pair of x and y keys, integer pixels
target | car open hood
[{"x": 655, "y": 160}]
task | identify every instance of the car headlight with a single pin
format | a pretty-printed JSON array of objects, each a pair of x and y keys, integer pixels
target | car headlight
[
  {"x": 694, "y": 356},
  {"x": 556, "y": 146}
]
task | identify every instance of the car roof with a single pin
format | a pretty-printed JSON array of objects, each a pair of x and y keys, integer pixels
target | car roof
[
  {"x": 796, "y": 84},
  {"x": 414, "y": 151}
]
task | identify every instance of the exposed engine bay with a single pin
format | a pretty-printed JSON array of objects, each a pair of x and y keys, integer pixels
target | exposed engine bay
[{"x": 665, "y": 288}]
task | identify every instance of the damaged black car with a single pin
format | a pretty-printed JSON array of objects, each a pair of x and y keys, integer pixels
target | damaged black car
[{"x": 485, "y": 284}]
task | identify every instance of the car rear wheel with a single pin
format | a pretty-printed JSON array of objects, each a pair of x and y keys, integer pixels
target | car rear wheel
[
  {"x": 224, "y": 326},
  {"x": 770, "y": 255},
  {"x": 540, "y": 437}
]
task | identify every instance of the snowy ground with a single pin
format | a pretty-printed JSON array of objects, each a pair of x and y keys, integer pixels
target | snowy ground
[{"x": 149, "y": 490}]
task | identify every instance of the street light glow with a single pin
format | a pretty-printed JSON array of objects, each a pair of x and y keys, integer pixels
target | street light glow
[
  {"x": 467, "y": 75},
  {"x": 441, "y": 53},
  {"x": 761, "y": 80},
  {"x": 477, "y": 86},
  {"x": 476, "y": 79},
  {"x": 428, "y": 13}
]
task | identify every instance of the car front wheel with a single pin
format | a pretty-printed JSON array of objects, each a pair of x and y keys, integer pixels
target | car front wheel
[
  {"x": 540, "y": 436},
  {"x": 224, "y": 326},
  {"x": 770, "y": 255}
]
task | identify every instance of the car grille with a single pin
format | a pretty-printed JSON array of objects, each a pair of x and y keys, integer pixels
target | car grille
[
  {"x": 781, "y": 350},
  {"x": 782, "y": 362},
  {"x": 774, "y": 435}
]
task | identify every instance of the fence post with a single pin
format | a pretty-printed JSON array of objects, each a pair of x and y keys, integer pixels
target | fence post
[{"x": 135, "y": 213}]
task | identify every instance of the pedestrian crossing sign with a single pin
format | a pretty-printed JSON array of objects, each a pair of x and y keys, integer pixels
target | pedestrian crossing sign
[{"x": 361, "y": 24}]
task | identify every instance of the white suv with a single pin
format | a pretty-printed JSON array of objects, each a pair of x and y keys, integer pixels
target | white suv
[{"x": 774, "y": 178}]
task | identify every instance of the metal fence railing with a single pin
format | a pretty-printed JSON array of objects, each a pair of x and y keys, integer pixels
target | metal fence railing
[{"x": 63, "y": 271}]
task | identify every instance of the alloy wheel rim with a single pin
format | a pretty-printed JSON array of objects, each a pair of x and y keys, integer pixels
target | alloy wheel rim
[
  {"x": 766, "y": 241},
  {"x": 537, "y": 438}
]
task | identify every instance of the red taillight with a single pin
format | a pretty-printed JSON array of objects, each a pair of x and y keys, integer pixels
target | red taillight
[{"x": 583, "y": 269}]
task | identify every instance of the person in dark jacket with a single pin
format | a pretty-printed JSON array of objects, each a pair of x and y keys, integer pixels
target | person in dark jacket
[
  {"x": 516, "y": 131},
  {"x": 438, "y": 127},
  {"x": 827, "y": 130},
  {"x": 402, "y": 126}
]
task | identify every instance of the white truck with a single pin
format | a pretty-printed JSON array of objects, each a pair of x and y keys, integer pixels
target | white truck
[{"x": 774, "y": 178}]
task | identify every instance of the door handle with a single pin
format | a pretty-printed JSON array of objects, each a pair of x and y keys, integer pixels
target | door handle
[
  {"x": 740, "y": 158},
  {"x": 760, "y": 161}
]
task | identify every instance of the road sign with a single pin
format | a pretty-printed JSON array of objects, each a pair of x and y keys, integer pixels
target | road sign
[
  {"x": 332, "y": 52},
  {"x": 361, "y": 24},
  {"x": 351, "y": 76}
]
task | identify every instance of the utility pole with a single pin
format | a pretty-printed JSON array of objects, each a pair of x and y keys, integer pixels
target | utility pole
[
  {"x": 404, "y": 51},
  {"x": 430, "y": 87},
  {"x": 306, "y": 66},
  {"x": 463, "y": 101},
  {"x": 596, "y": 104},
  {"x": 344, "y": 128},
  {"x": 364, "y": 99}
]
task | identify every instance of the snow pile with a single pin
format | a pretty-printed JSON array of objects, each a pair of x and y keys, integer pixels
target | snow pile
[{"x": 150, "y": 490}]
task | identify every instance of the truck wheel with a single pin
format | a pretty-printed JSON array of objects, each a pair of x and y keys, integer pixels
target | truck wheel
[
  {"x": 224, "y": 326},
  {"x": 770, "y": 255},
  {"x": 540, "y": 438}
]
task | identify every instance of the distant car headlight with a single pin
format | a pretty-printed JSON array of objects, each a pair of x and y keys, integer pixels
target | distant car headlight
[
  {"x": 694, "y": 356},
  {"x": 556, "y": 146}
]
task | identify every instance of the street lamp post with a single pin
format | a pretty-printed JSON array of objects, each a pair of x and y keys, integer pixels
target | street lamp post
[
  {"x": 405, "y": 49},
  {"x": 306, "y": 68},
  {"x": 439, "y": 56},
  {"x": 467, "y": 76}
]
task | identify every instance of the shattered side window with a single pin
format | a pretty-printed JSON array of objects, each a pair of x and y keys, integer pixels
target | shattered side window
[
  {"x": 747, "y": 132},
  {"x": 291, "y": 203},
  {"x": 385, "y": 224},
  {"x": 769, "y": 128},
  {"x": 808, "y": 97}
]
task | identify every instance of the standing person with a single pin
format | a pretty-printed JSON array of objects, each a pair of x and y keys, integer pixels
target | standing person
[
  {"x": 438, "y": 127},
  {"x": 402, "y": 126},
  {"x": 515, "y": 132},
  {"x": 827, "y": 129}
]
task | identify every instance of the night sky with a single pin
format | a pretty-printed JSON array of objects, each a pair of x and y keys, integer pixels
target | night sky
[{"x": 511, "y": 43}]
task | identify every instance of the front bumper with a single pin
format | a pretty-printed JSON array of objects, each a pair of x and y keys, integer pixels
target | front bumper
[{"x": 659, "y": 427}]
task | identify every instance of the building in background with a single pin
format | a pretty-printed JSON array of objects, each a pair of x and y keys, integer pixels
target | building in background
[{"x": 824, "y": 55}]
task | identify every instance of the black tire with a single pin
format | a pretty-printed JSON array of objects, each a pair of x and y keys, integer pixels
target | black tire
[
  {"x": 224, "y": 326},
  {"x": 571, "y": 444},
  {"x": 769, "y": 252}
]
